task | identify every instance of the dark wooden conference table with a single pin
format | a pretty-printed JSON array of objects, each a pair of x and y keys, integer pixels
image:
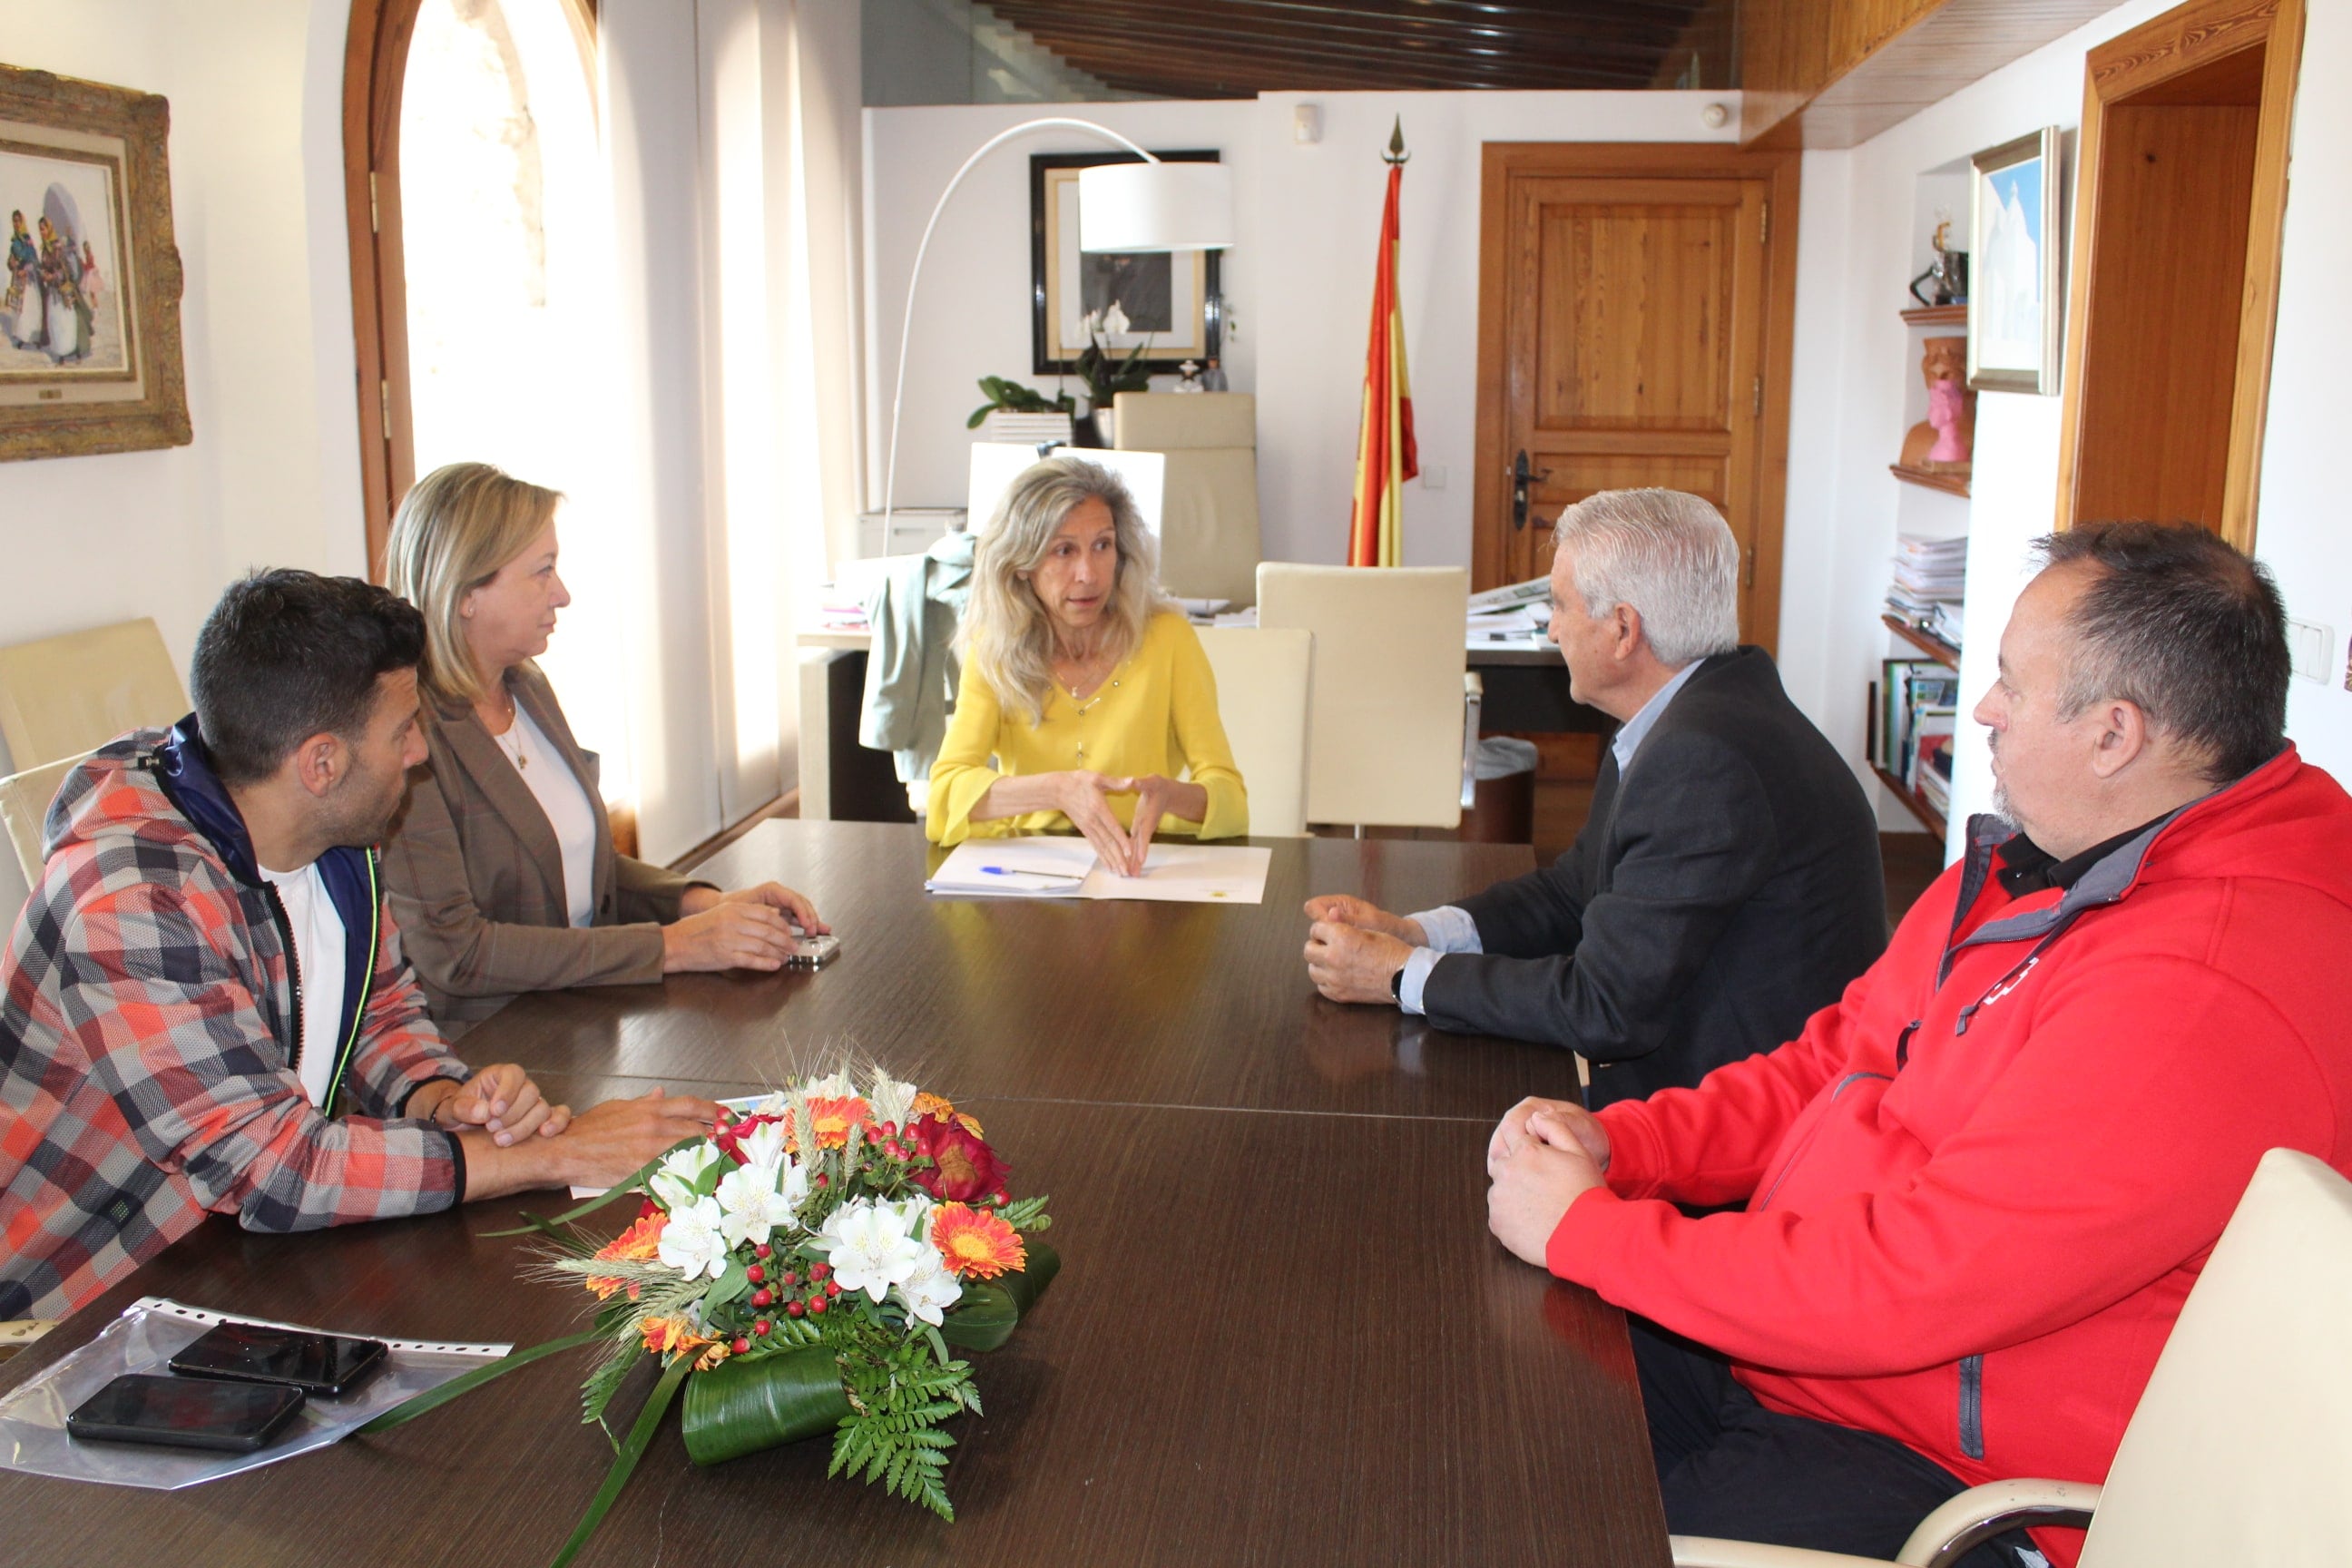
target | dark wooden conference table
[{"x": 1281, "y": 1334}]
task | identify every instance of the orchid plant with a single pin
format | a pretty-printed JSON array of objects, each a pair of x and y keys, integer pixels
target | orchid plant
[{"x": 1107, "y": 377}]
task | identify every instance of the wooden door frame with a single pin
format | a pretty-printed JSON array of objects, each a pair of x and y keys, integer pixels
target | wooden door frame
[
  {"x": 376, "y": 66},
  {"x": 1504, "y": 161},
  {"x": 2184, "y": 39}
]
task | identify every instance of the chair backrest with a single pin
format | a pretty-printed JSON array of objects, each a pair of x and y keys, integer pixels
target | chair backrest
[
  {"x": 1261, "y": 688},
  {"x": 1208, "y": 532},
  {"x": 66, "y": 695},
  {"x": 1384, "y": 735},
  {"x": 24, "y": 803},
  {"x": 2242, "y": 1440}
]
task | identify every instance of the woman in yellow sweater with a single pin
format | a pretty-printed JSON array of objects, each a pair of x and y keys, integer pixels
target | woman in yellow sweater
[{"x": 1082, "y": 683}]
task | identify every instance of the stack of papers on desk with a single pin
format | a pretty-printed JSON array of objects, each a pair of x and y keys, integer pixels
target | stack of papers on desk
[{"x": 1055, "y": 868}]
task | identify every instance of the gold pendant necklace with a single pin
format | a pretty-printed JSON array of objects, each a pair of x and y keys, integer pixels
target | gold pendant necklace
[{"x": 511, "y": 741}]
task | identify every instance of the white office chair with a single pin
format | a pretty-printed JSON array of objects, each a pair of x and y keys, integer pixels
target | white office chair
[
  {"x": 1208, "y": 533},
  {"x": 1261, "y": 693},
  {"x": 2239, "y": 1449},
  {"x": 1393, "y": 707},
  {"x": 24, "y": 803},
  {"x": 62, "y": 696}
]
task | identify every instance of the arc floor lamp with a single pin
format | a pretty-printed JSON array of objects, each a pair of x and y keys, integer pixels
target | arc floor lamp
[{"x": 1123, "y": 208}]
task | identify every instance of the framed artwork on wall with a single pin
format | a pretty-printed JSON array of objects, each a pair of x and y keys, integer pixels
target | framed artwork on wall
[
  {"x": 1169, "y": 299},
  {"x": 2015, "y": 308},
  {"x": 89, "y": 303}
]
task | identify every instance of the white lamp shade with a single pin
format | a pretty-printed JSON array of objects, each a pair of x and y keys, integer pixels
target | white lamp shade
[{"x": 1127, "y": 207}]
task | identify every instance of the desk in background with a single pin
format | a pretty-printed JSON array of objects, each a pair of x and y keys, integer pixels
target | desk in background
[{"x": 1282, "y": 1332}]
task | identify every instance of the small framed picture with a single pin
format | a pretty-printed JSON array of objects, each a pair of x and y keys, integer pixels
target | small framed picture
[
  {"x": 1168, "y": 297},
  {"x": 90, "y": 302},
  {"x": 2015, "y": 234}
]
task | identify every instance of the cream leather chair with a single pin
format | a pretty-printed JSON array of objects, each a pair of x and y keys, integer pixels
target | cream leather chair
[
  {"x": 62, "y": 696},
  {"x": 2239, "y": 1449},
  {"x": 24, "y": 803},
  {"x": 1262, "y": 693},
  {"x": 1388, "y": 716},
  {"x": 1208, "y": 529}
]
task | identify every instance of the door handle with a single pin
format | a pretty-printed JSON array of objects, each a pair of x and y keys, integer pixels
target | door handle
[{"x": 1523, "y": 479}]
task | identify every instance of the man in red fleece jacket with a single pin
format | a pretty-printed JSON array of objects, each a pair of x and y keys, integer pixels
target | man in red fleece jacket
[{"x": 1979, "y": 1187}]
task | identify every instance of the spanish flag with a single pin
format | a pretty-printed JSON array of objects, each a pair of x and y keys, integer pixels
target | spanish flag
[{"x": 1384, "y": 450}]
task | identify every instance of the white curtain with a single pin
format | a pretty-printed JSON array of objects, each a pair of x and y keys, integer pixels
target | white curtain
[{"x": 733, "y": 139}]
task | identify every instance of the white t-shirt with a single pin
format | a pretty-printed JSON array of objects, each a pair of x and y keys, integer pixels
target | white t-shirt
[
  {"x": 319, "y": 966},
  {"x": 560, "y": 796}
]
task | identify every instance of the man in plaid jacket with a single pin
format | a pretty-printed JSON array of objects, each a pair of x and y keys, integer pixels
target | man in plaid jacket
[{"x": 206, "y": 973}]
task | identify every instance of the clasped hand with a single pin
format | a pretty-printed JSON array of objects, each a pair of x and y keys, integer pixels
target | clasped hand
[
  {"x": 1543, "y": 1156},
  {"x": 751, "y": 928},
  {"x": 1355, "y": 948}
]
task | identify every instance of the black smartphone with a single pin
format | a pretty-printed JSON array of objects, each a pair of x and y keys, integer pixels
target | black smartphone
[
  {"x": 251, "y": 1352},
  {"x": 185, "y": 1413}
]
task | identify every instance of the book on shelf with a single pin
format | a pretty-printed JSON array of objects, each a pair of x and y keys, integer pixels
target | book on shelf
[
  {"x": 1928, "y": 573},
  {"x": 1910, "y": 691},
  {"x": 1931, "y": 743},
  {"x": 1934, "y": 771}
]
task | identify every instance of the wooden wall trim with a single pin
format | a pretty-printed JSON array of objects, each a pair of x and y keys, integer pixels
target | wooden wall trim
[
  {"x": 1835, "y": 73},
  {"x": 2185, "y": 39}
]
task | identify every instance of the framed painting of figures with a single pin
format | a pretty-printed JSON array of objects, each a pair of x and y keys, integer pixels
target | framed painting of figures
[
  {"x": 1169, "y": 299},
  {"x": 90, "y": 302}
]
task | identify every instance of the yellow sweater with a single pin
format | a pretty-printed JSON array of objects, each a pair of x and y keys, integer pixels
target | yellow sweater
[{"x": 1156, "y": 714}]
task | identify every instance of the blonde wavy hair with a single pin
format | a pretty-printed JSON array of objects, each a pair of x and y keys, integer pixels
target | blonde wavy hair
[
  {"x": 1007, "y": 636},
  {"x": 455, "y": 527}
]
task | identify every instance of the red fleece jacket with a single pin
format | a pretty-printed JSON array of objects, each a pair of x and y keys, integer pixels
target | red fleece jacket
[{"x": 1979, "y": 1187}]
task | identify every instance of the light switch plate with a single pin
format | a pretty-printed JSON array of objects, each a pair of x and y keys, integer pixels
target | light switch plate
[
  {"x": 1432, "y": 476},
  {"x": 2309, "y": 644}
]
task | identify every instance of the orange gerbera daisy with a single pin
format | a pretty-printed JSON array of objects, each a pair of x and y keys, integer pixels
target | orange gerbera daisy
[
  {"x": 976, "y": 1245},
  {"x": 665, "y": 1335},
  {"x": 930, "y": 1104},
  {"x": 638, "y": 1244},
  {"x": 833, "y": 1118}
]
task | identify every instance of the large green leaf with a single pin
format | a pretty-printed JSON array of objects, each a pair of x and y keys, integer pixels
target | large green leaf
[
  {"x": 751, "y": 1403},
  {"x": 983, "y": 1319},
  {"x": 624, "y": 1463},
  {"x": 434, "y": 1397},
  {"x": 1028, "y": 1287}
]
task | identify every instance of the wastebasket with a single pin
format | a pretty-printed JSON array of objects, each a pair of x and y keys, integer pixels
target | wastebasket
[{"x": 1504, "y": 768}]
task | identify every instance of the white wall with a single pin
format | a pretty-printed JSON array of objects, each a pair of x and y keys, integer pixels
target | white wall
[
  {"x": 272, "y": 477},
  {"x": 1857, "y": 367},
  {"x": 1298, "y": 281}
]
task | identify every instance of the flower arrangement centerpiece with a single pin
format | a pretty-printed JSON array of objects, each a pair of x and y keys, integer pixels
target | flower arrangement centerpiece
[{"x": 812, "y": 1267}]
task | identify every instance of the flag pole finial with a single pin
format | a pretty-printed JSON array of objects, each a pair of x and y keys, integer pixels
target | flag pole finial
[{"x": 1396, "y": 153}]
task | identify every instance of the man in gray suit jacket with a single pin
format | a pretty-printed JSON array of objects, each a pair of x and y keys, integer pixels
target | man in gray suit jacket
[{"x": 1727, "y": 885}]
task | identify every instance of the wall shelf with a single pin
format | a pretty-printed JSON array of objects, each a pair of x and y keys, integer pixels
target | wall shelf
[
  {"x": 1937, "y": 316},
  {"x": 1929, "y": 818},
  {"x": 1949, "y": 483},
  {"x": 1935, "y": 648}
]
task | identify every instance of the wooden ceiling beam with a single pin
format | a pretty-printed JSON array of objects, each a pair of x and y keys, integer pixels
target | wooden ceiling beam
[
  {"x": 1145, "y": 43},
  {"x": 1175, "y": 25},
  {"x": 1219, "y": 73},
  {"x": 1566, "y": 27}
]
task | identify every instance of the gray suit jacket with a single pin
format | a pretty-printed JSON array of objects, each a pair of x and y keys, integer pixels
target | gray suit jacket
[{"x": 475, "y": 877}]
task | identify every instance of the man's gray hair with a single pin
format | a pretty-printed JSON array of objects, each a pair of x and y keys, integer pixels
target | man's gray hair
[{"x": 1668, "y": 554}]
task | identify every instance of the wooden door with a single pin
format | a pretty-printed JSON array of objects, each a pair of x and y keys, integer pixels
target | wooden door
[{"x": 1634, "y": 318}]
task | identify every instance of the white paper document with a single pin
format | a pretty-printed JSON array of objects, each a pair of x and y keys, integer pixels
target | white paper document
[{"x": 1054, "y": 867}]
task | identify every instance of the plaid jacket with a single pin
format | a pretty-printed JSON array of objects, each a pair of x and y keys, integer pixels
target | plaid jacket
[{"x": 149, "y": 1028}]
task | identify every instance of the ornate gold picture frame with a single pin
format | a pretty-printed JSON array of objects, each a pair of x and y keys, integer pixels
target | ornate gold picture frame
[{"x": 90, "y": 300}]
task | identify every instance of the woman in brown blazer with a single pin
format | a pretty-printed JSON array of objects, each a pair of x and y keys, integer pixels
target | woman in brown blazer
[{"x": 501, "y": 870}]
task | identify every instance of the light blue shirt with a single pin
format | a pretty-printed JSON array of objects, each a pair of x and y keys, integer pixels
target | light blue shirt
[{"x": 1451, "y": 930}]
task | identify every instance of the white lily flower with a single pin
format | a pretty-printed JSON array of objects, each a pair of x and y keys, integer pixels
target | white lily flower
[
  {"x": 871, "y": 1250},
  {"x": 680, "y": 1179},
  {"x": 1091, "y": 322},
  {"x": 930, "y": 1291},
  {"x": 1115, "y": 319},
  {"x": 692, "y": 1243},
  {"x": 759, "y": 1200},
  {"x": 763, "y": 1145},
  {"x": 891, "y": 1100},
  {"x": 914, "y": 1214}
]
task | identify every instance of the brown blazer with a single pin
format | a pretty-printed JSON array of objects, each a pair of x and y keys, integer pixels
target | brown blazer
[{"x": 475, "y": 877}]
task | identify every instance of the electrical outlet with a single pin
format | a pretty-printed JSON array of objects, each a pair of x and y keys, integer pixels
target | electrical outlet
[
  {"x": 1432, "y": 476},
  {"x": 2310, "y": 642}
]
